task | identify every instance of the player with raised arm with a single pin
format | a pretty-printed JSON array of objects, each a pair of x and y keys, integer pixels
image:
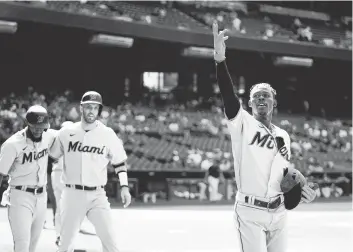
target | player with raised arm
[
  {"x": 261, "y": 153},
  {"x": 87, "y": 147},
  {"x": 24, "y": 157}
]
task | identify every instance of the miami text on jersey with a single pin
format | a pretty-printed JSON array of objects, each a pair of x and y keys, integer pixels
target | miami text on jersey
[
  {"x": 267, "y": 140},
  {"x": 91, "y": 149},
  {"x": 34, "y": 155},
  {"x": 261, "y": 141}
]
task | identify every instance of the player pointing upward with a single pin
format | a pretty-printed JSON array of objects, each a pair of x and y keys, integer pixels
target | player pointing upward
[
  {"x": 261, "y": 152},
  {"x": 87, "y": 147}
]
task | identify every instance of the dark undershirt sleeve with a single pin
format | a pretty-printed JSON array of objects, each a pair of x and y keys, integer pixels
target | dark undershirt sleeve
[{"x": 230, "y": 99}]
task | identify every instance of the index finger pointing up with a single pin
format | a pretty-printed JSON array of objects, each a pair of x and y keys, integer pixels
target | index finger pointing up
[
  {"x": 223, "y": 32},
  {"x": 215, "y": 28}
]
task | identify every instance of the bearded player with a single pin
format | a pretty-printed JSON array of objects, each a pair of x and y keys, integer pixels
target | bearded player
[
  {"x": 86, "y": 148},
  {"x": 24, "y": 157},
  {"x": 261, "y": 153}
]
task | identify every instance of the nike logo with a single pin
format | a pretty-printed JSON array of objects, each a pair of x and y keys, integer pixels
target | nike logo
[{"x": 72, "y": 134}]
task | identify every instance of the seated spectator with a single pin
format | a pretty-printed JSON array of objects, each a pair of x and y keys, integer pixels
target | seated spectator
[
  {"x": 225, "y": 165},
  {"x": 206, "y": 163},
  {"x": 295, "y": 147},
  {"x": 183, "y": 26},
  {"x": 347, "y": 147},
  {"x": 307, "y": 146},
  {"x": 296, "y": 25},
  {"x": 305, "y": 34},
  {"x": 236, "y": 22},
  {"x": 194, "y": 158},
  {"x": 147, "y": 19},
  {"x": 269, "y": 31},
  {"x": 329, "y": 165},
  {"x": 328, "y": 42}
]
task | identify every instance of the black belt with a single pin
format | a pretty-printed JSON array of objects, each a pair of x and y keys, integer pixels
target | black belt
[
  {"x": 84, "y": 188},
  {"x": 271, "y": 205},
  {"x": 31, "y": 190}
]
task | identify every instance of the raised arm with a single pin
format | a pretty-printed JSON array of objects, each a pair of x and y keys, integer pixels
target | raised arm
[{"x": 230, "y": 99}]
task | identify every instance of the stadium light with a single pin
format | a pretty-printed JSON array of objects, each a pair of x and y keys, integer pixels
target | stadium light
[
  {"x": 8, "y": 27},
  {"x": 293, "y": 61},
  {"x": 198, "y": 52},
  {"x": 111, "y": 40}
]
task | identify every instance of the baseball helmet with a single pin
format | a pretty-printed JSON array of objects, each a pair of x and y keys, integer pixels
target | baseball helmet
[
  {"x": 65, "y": 124},
  {"x": 93, "y": 97},
  {"x": 37, "y": 116}
]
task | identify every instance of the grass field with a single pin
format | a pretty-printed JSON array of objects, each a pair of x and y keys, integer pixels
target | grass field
[{"x": 321, "y": 227}]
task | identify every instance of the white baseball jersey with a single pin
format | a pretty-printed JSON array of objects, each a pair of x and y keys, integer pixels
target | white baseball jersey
[
  {"x": 58, "y": 165},
  {"x": 26, "y": 161},
  {"x": 87, "y": 153},
  {"x": 258, "y": 164}
]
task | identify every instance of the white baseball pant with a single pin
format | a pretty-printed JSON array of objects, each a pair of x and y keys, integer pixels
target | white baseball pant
[
  {"x": 58, "y": 188},
  {"x": 26, "y": 215},
  {"x": 75, "y": 205},
  {"x": 260, "y": 229}
]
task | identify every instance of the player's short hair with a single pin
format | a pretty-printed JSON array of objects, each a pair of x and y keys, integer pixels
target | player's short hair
[{"x": 262, "y": 85}]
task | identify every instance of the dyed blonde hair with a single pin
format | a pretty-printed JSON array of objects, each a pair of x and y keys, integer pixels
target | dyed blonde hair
[{"x": 267, "y": 86}]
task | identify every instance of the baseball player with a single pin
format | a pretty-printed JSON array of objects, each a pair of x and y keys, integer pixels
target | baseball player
[
  {"x": 58, "y": 187},
  {"x": 261, "y": 152},
  {"x": 24, "y": 157},
  {"x": 87, "y": 147}
]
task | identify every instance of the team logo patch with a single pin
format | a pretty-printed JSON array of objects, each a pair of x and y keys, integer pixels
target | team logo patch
[
  {"x": 93, "y": 98},
  {"x": 40, "y": 119}
]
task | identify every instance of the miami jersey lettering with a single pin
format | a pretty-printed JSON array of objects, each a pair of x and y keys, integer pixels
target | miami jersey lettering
[
  {"x": 26, "y": 161},
  {"x": 87, "y": 154},
  {"x": 268, "y": 142},
  {"x": 33, "y": 155},
  {"x": 255, "y": 149},
  {"x": 77, "y": 146}
]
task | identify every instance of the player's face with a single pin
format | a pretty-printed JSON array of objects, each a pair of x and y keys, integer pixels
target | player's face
[
  {"x": 36, "y": 131},
  {"x": 90, "y": 112},
  {"x": 262, "y": 102}
]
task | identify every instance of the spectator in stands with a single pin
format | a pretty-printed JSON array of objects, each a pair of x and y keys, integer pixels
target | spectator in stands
[
  {"x": 220, "y": 17},
  {"x": 194, "y": 158},
  {"x": 225, "y": 165},
  {"x": 147, "y": 19},
  {"x": 208, "y": 161},
  {"x": 305, "y": 34},
  {"x": 328, "y": 42},
  {"x": 296, "y": 25},
  {"x": 236, "y": 22},
  {"x": 269, "y": 31},
  {"x": 183, "y": 26},
  {"x": 135, "y": 123}
]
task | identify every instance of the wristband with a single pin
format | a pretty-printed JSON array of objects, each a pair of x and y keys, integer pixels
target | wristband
[{"x": 123, "y": 178}]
